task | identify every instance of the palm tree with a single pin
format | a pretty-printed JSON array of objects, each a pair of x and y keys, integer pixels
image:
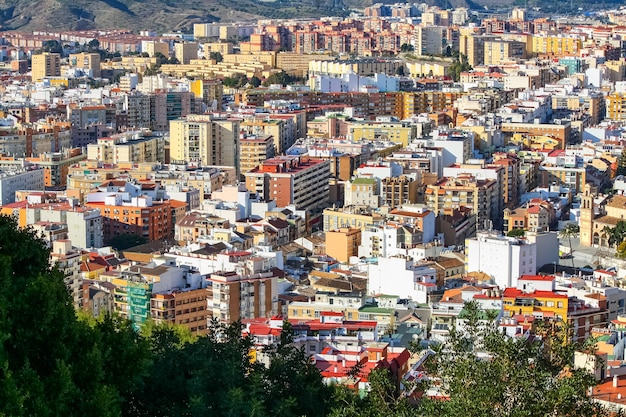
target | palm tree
[
  {"x": 616, "y": 234},
  {"x": 568, "y": 232}
]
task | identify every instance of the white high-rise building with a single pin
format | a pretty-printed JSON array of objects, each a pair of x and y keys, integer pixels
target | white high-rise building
[{"x": 504, "y": 258}]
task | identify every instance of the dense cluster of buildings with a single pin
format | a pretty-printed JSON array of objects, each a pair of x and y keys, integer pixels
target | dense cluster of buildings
[{"x": 366, "y": 205}]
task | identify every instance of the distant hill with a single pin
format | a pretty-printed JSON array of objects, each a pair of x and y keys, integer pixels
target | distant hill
[{"x": 167, "y": 15}]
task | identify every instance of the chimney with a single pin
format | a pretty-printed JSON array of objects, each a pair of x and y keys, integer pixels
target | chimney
[
  {"x": 335, "y": 368},
  {"x": 615, "y": 381}
]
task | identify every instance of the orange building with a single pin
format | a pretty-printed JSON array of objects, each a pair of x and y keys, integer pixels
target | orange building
[
  {"x": 152, "y": 220},
  {"x": 186, "y": 308},
  {"x": 343, "y": 243}
]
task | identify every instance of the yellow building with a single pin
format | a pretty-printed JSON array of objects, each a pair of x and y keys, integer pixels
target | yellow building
[
  {"x": 555, "y": 45},
  {"x": 616, "y": 106},
  {"x": 223, "y": 48},
  {"x": 343, "y": 243},
  {"x": 397, "y": 132},
  {"x": 426, "y": 102},
  {"x": 277, "y": 129},
  {"x": 211, "y": 92},
  {"x": 351, "y": 218},
  {"x": 499, "y": 51},
  {"x": 46, "y": 65},
  {"x": 90, "y": 62},
  {"x": 205, "y": 139},
  {"x": 535, "y": 300}
]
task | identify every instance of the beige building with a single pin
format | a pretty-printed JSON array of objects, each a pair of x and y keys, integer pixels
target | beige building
[
  {"x": 362, "y": 192},
  {"x": 254, "y": 151},
  {"x": 46, "y": 65},
  {"x": 343, "y": 243},
  {"x": 88, "y": 62},
  {"x": 398, "y": 190},
  {"x": 499, "y": 51},
  {"x": 205, "y": 140},
  {"x": 153, "y": 47},
  {"x": 122, "y": 148},
  {"x": 465, "y": 191},
  {"x": 352, "y": 217},
  {"x": 185, "y": 51}
]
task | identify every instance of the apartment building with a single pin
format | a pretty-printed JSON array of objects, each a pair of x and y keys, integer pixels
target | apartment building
[
  {"x": 255, "y": 150},
  {"x": 56, "y": 166},
  {"x": 84, "y": 225},
  {"x": 466, "y": 191},
  {"x": 15, "y": 180},
  {"x": 398, "y": 190},
  {"x": 140, "y": 216},
  {"x": 205, "y": 140},
  {"x": 88, "y": 62},
  {"x": 362, "y": 191},
  {"x": 45, "y": 65},
  {"x": 297, "y": 180},
  {"x": 185, "y": 307},
  {"x": 185, "y": 51},
  {"x": 505, "y": 259},
  {"x": 250, "y": 291},
  {"x": 129, "y": 147}
]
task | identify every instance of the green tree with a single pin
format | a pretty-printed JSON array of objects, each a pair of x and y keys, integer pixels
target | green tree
[
  {"x": 93, "y": 45},
  {"x": 483, "y": 372},
  {"x": 407, "y": 47},
  {"x": 460, "y": 65},
  {"x": 45, "y": 352},
  {"x": 281, "y": 78},
  {"x": 236, "y": 81},
  {"x": 254, "y": 81},
  {"x": 616, "y": 234},
  {"x": 52, "y": 46},
  {"x": 569, "y": 231},
  {"x": 516, "y": 233},
  {"x": 216, "y": 56},
  {"x": 621, "y": 250}
]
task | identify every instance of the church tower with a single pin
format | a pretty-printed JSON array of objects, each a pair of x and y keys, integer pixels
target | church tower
[{"x": 586, "y": 217}]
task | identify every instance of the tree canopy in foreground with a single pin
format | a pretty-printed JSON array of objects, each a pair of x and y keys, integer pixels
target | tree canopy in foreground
[{"x": 54, "y": 362}]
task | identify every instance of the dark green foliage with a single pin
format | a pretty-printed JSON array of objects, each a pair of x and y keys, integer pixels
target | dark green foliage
[
  {"x": 55, "y": 364},
  {"x": 516, "y": 233},
  {"x": 460, "y": 65},
  {"x": 516, "y": 378},
  {"x": 216, "y": 56},
  {"x": 236, "y": 81},
  {"x": 407, "y": 47},
  {"x": 254, "y": 81},
  {"x": 281, "y": 78},
  {"x": 621, "y": 164}
]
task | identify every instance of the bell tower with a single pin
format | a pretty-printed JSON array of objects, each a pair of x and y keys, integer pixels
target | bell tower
[{"x": 586, "y": 217}]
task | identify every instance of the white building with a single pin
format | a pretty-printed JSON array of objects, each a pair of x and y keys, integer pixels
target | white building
[
  {"x": 457, "y": 146},
  {"x": 12, "y": 181},
  {"x": 504, "y": 258},
  {"x": 400, "y": 276}
]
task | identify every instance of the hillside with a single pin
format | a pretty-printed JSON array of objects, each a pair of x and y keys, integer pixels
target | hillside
[
  {"x": 166, "y": 15},
  {"x": 160, "y": 15}
]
